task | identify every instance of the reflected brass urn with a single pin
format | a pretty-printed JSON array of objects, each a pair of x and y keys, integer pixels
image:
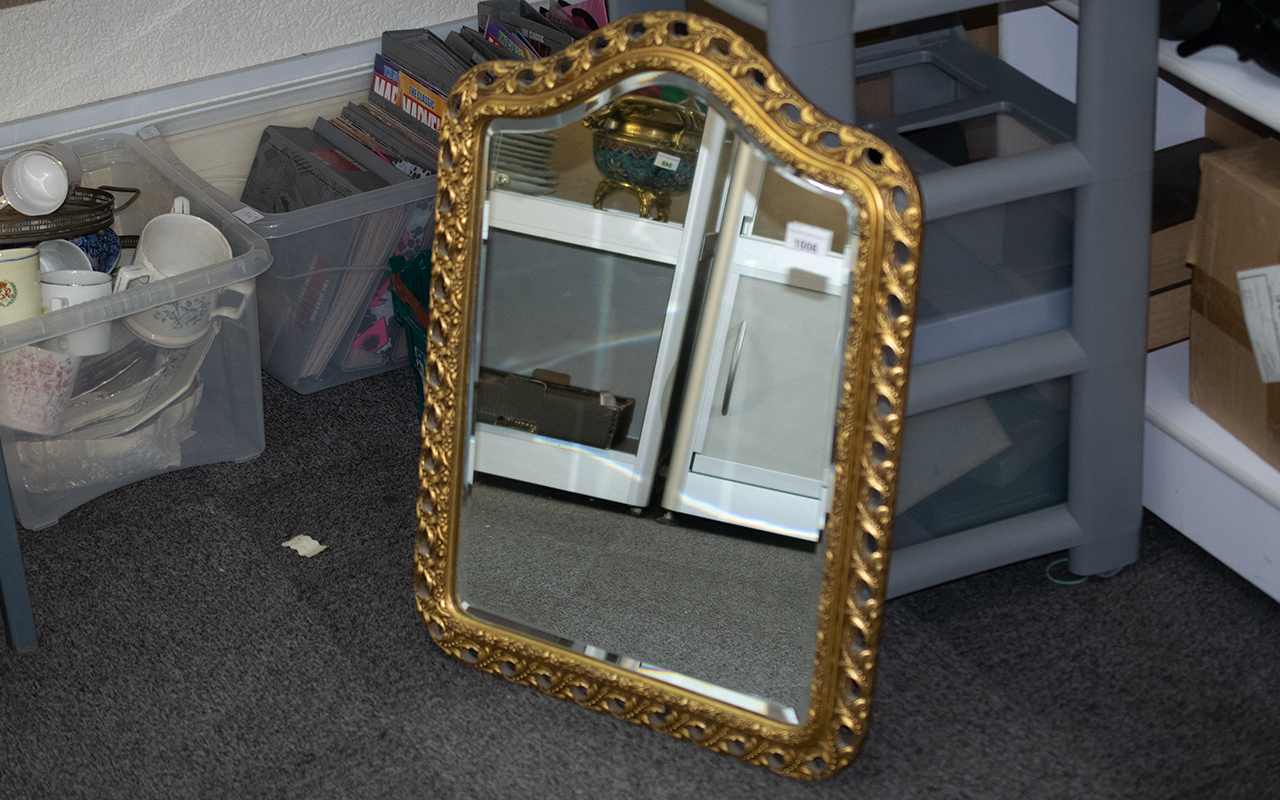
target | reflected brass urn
[{"x": 647, "y": 147}]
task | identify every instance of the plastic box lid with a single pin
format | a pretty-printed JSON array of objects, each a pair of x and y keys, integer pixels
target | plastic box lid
[{"x": 290, "y": 223}]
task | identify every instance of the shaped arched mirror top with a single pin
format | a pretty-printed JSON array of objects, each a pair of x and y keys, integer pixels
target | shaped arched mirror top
[{"x": 671, "y": 318}]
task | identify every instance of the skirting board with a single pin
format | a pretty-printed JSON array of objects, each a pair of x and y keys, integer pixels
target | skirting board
[{"x": 1204, "y": 482}]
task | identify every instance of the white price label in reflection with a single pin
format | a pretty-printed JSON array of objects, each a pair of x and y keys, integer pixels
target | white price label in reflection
[
  {"x": 808, "y": 238},
  {"x": 666, "y": 161},
  {"x": 247, "y": 214}
]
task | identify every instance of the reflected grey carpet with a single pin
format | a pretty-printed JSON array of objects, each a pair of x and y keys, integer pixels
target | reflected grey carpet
[
  {"x": 185, "y": 653},
  {"x": 739, "y": 612}
]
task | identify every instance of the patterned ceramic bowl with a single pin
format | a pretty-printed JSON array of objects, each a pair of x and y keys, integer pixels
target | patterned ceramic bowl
[
  {"x": 102, "y": 248},
  {"x": 183, "y": 322}
]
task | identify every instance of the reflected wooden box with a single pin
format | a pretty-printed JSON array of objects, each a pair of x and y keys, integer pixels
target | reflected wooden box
[{"x": 547, "y": 405}]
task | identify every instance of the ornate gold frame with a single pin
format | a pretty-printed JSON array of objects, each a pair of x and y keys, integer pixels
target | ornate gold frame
[{"x": 869, "y": 431}]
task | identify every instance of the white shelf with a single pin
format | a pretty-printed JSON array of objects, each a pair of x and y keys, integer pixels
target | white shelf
[
  {"x": 1197, "y": 476},
  {"x": 1218, "y": 72},
  {"x": 574, "y": 223},
  {"x": 1205, "y": 482},
  {"x": 578, "y": 468}
]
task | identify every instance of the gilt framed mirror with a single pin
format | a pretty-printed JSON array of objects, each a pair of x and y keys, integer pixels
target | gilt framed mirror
[{"x": 671, "y": 314}]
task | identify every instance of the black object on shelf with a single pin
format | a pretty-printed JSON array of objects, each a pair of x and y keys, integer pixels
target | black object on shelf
[
  {"x": 545, "y": 404},
  {"x": 1250, "y": 27},
  {"x": 1175, "y": 182},
  {"x": 1182, "y": 19}
]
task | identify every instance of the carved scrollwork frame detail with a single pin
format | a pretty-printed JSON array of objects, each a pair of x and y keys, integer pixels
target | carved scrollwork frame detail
[{"x": 873, "y": 403}]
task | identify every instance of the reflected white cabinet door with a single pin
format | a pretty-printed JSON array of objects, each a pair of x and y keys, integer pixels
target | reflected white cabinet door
[
  {"x": 753, "y": 446},
  {"x": 760, "y": 449},
  {"x": 777, "y": 380}
]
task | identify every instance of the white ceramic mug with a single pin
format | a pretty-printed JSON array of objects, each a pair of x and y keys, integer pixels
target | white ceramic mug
[
  {"x": 68, "y": 287},
  {"x": 19, "y": 284},
  {"x": 174, "y": 244},
  {"x": 36, "y": 181},
  {"x": 59, "y": 254},
  {"x": 35, "y": 387}
]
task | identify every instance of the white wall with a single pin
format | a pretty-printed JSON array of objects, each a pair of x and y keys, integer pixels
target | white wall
[
  {"x": 57, "y": 54},
  {"x": 1041, "y": 43}
]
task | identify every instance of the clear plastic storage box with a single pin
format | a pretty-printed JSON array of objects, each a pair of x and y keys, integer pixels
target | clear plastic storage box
[
  {"x": 76, "y": 427},
  {"x": 325, "y": 305}
]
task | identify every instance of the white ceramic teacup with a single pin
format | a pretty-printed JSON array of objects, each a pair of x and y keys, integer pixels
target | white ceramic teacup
[
  {"x": 174, "y": 244},
  {"x": 68, "y": 287},
  {"x": 59, "y": 254},
  {"x": 36, "y": 181},
  {"x": 35, "y": 387},
  {"x": 19, "y": 284}
]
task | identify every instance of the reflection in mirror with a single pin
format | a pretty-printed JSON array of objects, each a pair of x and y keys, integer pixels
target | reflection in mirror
[
  {"x": 709, "y": 578},
  {"x": 666, "y": 378}
]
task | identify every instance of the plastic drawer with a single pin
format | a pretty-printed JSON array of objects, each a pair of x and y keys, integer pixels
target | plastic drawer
[
  {"x": 983, "y": 460},
  {"x": 994, "y": 274}
]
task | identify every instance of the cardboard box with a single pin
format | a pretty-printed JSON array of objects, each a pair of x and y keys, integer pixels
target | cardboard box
[
  {"x": 1237, "y": 227},
  {"x": 1175, "y": 188}
]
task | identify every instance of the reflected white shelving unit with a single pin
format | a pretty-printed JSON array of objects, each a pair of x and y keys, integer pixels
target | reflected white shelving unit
[
  {"x": 752, "y": 447},
  {"x": 572, "y": 223},
  {"x": 624, "y": 474}
]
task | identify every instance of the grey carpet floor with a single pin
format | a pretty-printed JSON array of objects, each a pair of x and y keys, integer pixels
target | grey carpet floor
[{"x": 185, "y": 653}]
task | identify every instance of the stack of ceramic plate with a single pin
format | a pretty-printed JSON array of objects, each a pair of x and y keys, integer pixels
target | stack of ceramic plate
[{"x": 521, "y": 162}]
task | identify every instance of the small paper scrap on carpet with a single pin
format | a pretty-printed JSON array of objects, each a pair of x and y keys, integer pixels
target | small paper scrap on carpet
[{"x": 305, "y": 545}]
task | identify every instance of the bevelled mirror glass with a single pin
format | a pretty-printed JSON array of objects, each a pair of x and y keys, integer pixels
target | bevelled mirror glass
[{"x": 671, "y": 317}]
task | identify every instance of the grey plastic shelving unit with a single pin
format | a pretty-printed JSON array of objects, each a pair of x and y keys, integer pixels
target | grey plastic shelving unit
[{"x": 1098, "y": 156}]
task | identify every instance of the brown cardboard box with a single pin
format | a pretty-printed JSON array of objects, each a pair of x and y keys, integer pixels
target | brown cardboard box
[
  {"x": 1237, "y": 227},
  {"x": 1230, "y": 128},
  {"x": 1175, "y": 187}
]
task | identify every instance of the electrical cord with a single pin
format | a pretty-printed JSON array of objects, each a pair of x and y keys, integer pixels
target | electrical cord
[{"x": 1048, "y": 573}]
